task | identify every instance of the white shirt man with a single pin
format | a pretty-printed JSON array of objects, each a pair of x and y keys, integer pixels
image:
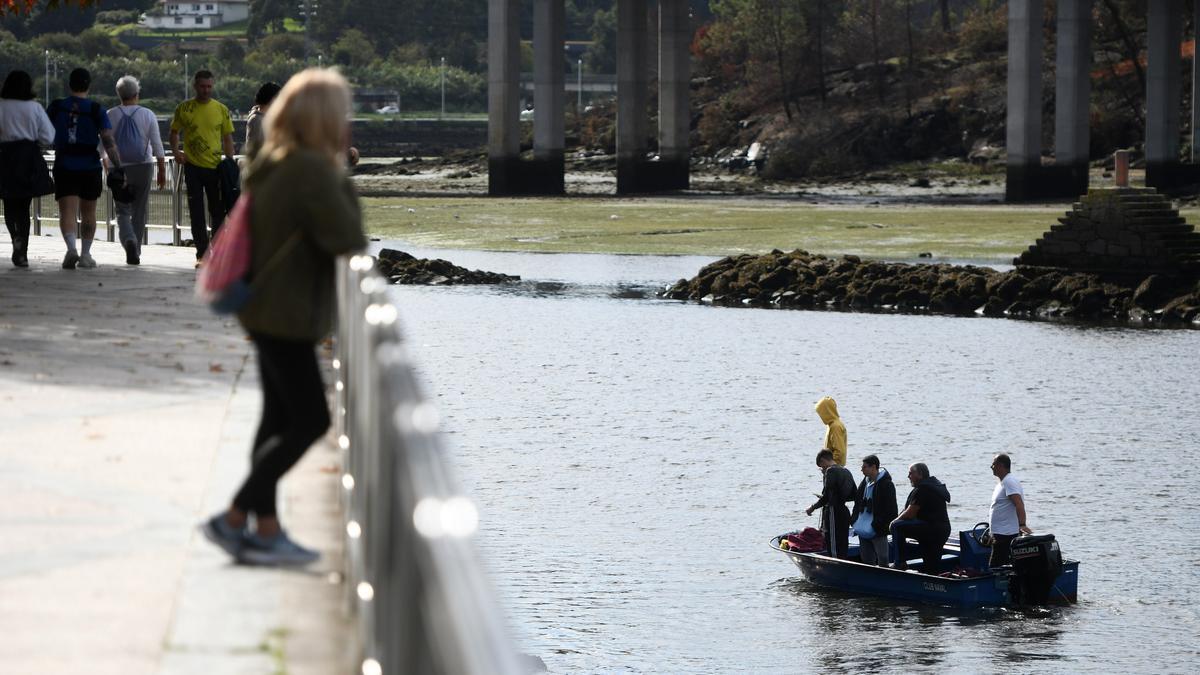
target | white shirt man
[{"x": 1007, "y": 518}]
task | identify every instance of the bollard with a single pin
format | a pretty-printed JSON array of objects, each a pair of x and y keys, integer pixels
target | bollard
[{"x": 1121, "y": 168}]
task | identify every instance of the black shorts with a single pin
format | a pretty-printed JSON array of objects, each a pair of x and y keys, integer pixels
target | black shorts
[{"x": 86, "y": 185}]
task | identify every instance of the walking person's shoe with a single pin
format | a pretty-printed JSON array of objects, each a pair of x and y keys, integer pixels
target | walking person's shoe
[
  {"x": 131, "y": 253},
  {"x": 19, "y": 259},
  {"x": 231, "y": 539},
  {"x": 70, "y": 260},
  {"x": 277, "y": 551},
  {"x": 87, "y": 262}
]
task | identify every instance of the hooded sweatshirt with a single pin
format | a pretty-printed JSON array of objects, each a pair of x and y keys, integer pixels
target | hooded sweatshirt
[
  {"x": 835, "y": 434},
  {"x": 931, "y": 495}
]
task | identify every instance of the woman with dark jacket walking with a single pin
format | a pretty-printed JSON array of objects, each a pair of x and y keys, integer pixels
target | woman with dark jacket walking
[
  {"x": 23, "y": 126},
  {"x": 302, "y": 206},
  {"x": 874, "y": 510}
]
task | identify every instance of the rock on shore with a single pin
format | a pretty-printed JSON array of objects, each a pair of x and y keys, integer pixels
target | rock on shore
[
  {"x": 804, "y": 280},
  {"x": 401, "y": 268}
]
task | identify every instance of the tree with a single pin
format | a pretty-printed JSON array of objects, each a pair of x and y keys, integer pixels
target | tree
[{"x": 353, "y": 49}]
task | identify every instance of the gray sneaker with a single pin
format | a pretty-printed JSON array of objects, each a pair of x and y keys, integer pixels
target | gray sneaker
[
  {"x": 279, "y": 551},
  {"x": 70, "y": 260},
  {"x": 87, "y": 262},
  {"x": 232, "y": 540}
]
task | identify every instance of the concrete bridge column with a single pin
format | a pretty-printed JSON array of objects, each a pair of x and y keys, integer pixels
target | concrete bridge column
[
  {"x": 1195, "y": 154},
  {"x": 632, "y": 81},
  {"x": 549, "y": 96},
  {"x": 1024, "y": 124},
  {"x": 1164, "y": 30},
  {"x": 674, "y": 83},
  {"x": 504, "y": 96},
  {"x": 1072, "y": 94}
]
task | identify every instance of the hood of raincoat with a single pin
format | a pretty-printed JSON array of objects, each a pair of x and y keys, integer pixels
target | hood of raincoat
[{"x": 827, "y": 409}]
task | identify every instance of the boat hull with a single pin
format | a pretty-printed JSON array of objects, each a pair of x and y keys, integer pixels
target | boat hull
[{"x": 988, "y": 590}]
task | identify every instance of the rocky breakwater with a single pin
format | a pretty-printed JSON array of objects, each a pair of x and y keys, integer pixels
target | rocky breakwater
[
  {"x": 402, "y": 268},
  {"x": 800, "y": 279}
]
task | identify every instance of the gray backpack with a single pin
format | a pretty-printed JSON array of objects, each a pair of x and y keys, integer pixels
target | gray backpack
[{"x": 131, "y": 144}]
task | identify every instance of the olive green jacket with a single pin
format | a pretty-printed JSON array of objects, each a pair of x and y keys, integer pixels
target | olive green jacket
[{"x": 303, "y": 193}]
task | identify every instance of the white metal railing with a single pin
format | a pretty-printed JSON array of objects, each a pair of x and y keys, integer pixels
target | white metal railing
[{"x": 422, "y": 601}]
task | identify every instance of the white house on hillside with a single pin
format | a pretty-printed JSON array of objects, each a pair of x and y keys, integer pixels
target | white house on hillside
[{"x": 179, "y": 15}]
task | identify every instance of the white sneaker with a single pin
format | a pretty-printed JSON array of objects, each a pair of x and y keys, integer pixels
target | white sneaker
[{"x": 87, "y": 262}]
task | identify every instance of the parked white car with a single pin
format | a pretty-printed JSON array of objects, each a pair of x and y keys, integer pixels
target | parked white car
[
  {"x": 527, "y": 115},
  {"x": 388, "y": 110}
]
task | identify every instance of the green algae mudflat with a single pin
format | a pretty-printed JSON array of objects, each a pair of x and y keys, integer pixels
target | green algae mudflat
[{"x": 692, "y": 225}]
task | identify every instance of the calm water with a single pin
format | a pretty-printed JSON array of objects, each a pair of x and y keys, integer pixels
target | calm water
[{"x": 632, "y": 457}]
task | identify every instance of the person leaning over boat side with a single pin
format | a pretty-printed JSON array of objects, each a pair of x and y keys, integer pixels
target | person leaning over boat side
[
  {"x": 874, "y": 510},
  {"x": 835, "y": 518},
  {"x": 835, "y": 433},
  {"x": 1007, "y": 518},
  {"x": 924, "y": 518}
]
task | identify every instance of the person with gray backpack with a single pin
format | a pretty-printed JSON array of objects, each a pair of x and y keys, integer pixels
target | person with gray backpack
[{"x": 135, "y": 129}]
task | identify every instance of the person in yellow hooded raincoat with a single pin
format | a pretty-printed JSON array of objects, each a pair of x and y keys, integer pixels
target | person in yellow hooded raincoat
[{"x": 835, "y": 434}]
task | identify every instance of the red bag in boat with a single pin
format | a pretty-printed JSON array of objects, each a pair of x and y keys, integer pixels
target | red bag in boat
[{"x": 808, "y": 540}]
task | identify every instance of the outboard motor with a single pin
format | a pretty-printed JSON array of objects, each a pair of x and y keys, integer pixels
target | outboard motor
[{"x": 1037, "y": 563}]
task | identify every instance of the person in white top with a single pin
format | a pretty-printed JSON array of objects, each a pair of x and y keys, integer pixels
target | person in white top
[
  {"x": 138, "y": 166},
  {"x": 1007, "y": 518},
  {"x": 23, "y": 126}
]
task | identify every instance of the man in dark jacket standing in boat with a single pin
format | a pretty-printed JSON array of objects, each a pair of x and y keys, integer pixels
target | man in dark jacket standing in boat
[
  {"x": 835, "y": 517},
  {"x": 924, "y": 518},
  {"x": 874, "y": 511}
]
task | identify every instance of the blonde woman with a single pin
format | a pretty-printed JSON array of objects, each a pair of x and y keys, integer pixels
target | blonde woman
[{"x": 304, "y": 210}]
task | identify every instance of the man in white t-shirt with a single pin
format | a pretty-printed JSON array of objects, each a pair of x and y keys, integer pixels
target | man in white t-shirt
[
  {"x": 139, "y": 168},
  {"x": 1007, "y": 519}
]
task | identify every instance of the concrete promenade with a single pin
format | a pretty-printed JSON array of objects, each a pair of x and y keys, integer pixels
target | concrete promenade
[{"x": 126, "y": 413}]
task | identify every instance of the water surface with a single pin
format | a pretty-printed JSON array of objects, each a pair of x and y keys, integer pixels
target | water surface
[{"x": 633, "y": 456}]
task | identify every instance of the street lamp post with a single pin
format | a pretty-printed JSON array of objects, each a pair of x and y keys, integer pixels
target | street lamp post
[
  {"x": 47, "y": 77},
  {"x": 579, "y": 89},
  {"x": 185, "y": 77},
  {"x": 443, "y": 88}
]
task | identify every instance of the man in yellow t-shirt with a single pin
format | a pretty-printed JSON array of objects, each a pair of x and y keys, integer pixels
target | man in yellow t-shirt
[{"x": 207, "y": 131}]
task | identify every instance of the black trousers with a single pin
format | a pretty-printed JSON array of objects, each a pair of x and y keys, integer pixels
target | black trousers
[
  {"x": 16, "y": 219},
  {"x": 836, "y": 530},
  {"x": 294, "y": 415},
  {"x": 203, "y": 183},
  {"x": 1001, "y": 549},
  {"x": 930, "y": 541}
]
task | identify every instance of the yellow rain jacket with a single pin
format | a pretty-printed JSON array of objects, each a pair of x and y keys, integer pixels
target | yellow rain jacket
[{"x": 835, "y": 436}]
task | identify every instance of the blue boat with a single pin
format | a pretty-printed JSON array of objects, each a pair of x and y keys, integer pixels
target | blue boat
[{"x": 1008, "y": 585}]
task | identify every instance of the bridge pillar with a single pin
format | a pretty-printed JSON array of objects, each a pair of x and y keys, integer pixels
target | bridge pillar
[
  {"x": 674, "y": 84},
  {"x": 1164, "y": 32},
  {"x": 632, "y": 81},
  {"x": 549, "y": 95},
  {"x": 508, "y": 174},
  {"x": 1024, "y": 122},
  {"x": 1072, "y": 97},
  {"x": 504, "y": 97}
]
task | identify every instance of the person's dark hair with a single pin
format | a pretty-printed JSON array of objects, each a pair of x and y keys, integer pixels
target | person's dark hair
[
  {"x": 824, "y": 454},
  {"x": 18, "y": 85},
  {"x": 266, "y": 93},
  {"x": 1004, "y": 460},
  {"x": 922, "y": 470},
  {"x": 872, "y": 460},
  {"x": 80, "y": 80},
  {"x": 203, "y": 74}
]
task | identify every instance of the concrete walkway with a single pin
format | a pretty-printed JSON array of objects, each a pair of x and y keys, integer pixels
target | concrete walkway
[{"x": 126, "y": 413}]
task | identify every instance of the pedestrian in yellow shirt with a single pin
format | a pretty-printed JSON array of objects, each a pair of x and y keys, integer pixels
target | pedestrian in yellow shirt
[{"x": 207, "y": 131}]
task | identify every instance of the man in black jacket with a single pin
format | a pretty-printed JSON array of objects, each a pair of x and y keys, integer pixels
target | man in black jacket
[
  {"x": 924, "y": 518},
  {"x": 835, "y": 518},
  {"x": 874, "y": 511}
]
